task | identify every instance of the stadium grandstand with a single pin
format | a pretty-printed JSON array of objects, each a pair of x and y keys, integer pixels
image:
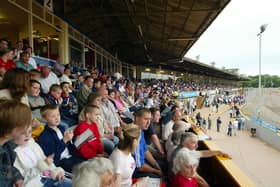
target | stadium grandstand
[{"x": 113, "y": 100}]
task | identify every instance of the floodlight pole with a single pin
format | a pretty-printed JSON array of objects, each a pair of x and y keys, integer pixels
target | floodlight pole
[{"x": 262, "y": 29}]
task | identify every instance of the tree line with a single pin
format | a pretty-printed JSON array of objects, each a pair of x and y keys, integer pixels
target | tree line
[{"x": 268, "y": 81}]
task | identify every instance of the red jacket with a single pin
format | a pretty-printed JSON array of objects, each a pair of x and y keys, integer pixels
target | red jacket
[
  {"x": 7, "y": 65},
  {"x": 92, "y": 147}
]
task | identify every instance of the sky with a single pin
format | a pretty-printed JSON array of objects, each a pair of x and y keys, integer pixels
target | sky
[{"x": 231, "y": 41}]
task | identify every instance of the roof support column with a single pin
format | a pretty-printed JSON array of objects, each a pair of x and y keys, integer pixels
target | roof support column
[
  {"x": 64, "y": 43},
  {"x": 83, "y": 54},
  {"x": 30, "y": 24}
]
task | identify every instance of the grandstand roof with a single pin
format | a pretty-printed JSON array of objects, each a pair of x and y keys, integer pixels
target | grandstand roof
[
  {"x": 151, "y": 33},
  {"x": 144, "y": 31},
  {"x": 195, "y": 67}
]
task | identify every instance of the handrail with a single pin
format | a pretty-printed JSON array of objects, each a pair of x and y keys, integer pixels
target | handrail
[{"x": 227, "y": 166}]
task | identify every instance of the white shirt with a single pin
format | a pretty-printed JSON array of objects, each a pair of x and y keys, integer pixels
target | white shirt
[
  {"x": 27, "y": 155},
  {"x": 109, "y": 113},
  {"x": 48, "y": 81},
  {"x": 167, "y": 129},
  {"x": 65, "y": 153},
  {"x": 32, "y": 62},
  {"x": 235, "y": 124},
  {"x": 65, "y": 78},
  {"x": 124, "y": 165}
]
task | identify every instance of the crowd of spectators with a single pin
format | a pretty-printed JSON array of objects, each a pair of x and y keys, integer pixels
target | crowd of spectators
[{"x": 95, "y": 128}]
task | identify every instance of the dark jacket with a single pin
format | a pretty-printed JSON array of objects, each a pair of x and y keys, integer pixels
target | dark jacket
[
  {"x": 8, "y": 173},
  {"x": 51, "y": 144},
  {"x": 69, "y": 113}
]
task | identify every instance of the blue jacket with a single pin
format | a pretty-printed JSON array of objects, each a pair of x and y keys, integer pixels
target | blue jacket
[
  {"x": 69, "y": 111},
  {"x": 49, "y": 99},
  {"x": 51, "y": 144}
]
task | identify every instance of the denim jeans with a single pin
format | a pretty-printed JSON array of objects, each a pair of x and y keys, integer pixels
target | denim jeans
[
  {"x": 47, "y": 182},
  {"x": 109, "y": 144}
]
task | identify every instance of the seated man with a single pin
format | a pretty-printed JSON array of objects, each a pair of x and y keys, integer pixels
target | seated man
[
  {"x": 151, "y": 137},
  {"x": 146, "y": 165},
  {"x": 84, "y": 91}
]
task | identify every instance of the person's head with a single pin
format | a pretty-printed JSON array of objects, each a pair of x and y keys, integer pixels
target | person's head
[
  {"x": 177, "y": 115},
  {"x": 91, "y": 113},
  {"x": 84, "y": 175},
  {"x": 112, "y": 93},
  {"x": 155, "y": 114},
  {"x": 55, "y": 91},
  {"x": 103, "y": 167},
  {"x": 34, "y": 74},
  {"x": 34, "y": 88},
  {"x": 16, "y": 80},
  {"x": 45, "y": 71},
  {"x": 81, "y": 78},
  {"x": 19, "y": 45},
  {"x": 6, "y": 54},
  {"x": 97, "y": 83},
  {"x": 29, "y": 50},
  {"x": 15, "y": 118},
  {"x": 94, "y": 99},
  {"x": 65, "y": 86},
  {"x": 104, "y": 93},
  {"x": 88, "y": 81},
  {"x": 3, "y": 43},
  {"x": 24, "y": 137},
  {"x": 24, "y": 57},
  {"x": 189, "y": 140},
  {"x": 185, "y": 163},
  {"x": 180, "y": 126},
  {"x": 129, "y": 137},
  {"x": 67, "y": 71},
  {"x": 176, "y": 137},
  {"x": 143, "y": 118},
  {"x": 50, "y": 115}
]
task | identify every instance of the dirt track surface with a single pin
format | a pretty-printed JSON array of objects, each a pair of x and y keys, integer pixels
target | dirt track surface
[{"x": 255, "y": 158}]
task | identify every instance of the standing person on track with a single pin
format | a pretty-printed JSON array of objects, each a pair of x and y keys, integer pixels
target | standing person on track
[{"x": 219, "y": 123}]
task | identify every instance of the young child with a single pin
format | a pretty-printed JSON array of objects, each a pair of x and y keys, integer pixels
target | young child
[
  {"x": 11, "y": 127},
  {"x": 54, "y": 95},
  {"x": 37, "y": 169},
  {"x": 56, "y": 140},
  {"x": 36, "y": 102},
  {"x": 93, "y": 147},
  {"x": 69, "y": 105}
]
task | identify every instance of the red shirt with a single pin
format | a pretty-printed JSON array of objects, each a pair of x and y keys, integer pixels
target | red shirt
[
  {"x": 7, "y": 65},
  {"x": 181, "y": 181},
  {"x": 92, "y": 147}
]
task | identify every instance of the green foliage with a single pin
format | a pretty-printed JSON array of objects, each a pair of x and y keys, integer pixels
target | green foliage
[{"x": 267, "y": 81}]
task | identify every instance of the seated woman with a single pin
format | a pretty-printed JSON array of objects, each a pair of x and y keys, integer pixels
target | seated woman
[
  {"x": 15, "y": 85},
  {"x": 123, "y": 162},
  {"x": 97, "y": 172},
  {"x": 184, "y": 168},
  {"x": 121, "y": 105},
  {"x": 37, "y": 169}
]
